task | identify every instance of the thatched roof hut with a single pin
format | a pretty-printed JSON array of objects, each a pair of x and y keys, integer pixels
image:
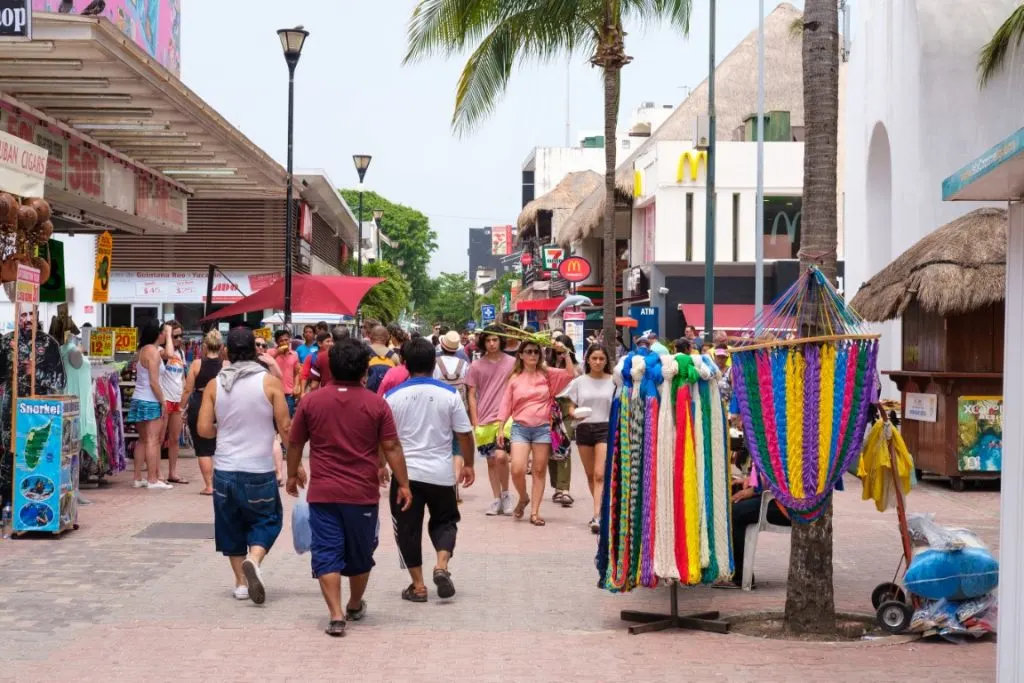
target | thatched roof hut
[
  {"x": 735, "y": 100},
  {"x": 566, "y": 196},
  {"x": 961, "y": 267}
]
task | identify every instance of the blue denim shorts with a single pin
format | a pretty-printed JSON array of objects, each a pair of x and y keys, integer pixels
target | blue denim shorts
[
  {"x": 247, "y": 511},
  {"x": 524, "y": 434},
  {"x": 344, "y": 538}
]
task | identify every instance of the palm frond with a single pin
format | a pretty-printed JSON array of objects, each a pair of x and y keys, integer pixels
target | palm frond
[
  {"x": 676, "y": 13},
  {"x": 994, "y": 54},
  {"x": 447, "y": 27}
]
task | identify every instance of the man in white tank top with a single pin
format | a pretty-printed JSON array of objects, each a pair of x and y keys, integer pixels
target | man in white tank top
[{"x": 240, "y": 409}]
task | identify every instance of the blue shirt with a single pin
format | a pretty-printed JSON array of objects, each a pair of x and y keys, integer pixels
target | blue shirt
[{"x": 305, "y": 350}]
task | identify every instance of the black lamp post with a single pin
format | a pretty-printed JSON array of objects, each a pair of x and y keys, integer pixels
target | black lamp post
[
  {"x": 292, "y": 40},
  {"x": 362, "y": 162},
  {"x": 378, "y": 216}
]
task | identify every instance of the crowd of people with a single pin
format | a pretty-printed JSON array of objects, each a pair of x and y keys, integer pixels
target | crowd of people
[{"x": 387, "y": 410}]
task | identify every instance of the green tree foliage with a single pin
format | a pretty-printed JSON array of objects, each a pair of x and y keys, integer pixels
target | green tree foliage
[
  {"x": 390, "y": 298},
  {"x": 451, "y": 302},
  {"x": 410, "y": 229},
  {"x": 493, "y": 297},
  {"x": 1005, "y": 42}
]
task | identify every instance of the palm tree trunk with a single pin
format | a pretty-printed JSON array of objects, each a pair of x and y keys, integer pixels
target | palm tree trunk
[
  {"x": 611, "y": 117},
  {"x": 810, "y": 597}
]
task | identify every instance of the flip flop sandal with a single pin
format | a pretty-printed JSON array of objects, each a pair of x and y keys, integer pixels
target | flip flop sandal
[
  {"x": 411, "y": 595},
  {"x": 520, "y": 507},
  {"x": 177, "y": 480},
  {"x": 567, "y": 500},
  {"x": 335, "y": 629},
  {"x": 557, "y": 497},
  {"x": 537, "y": 520},
  {"x": 206, "y": 493},
  {"x": 356, "y": 614},
  {"x": 443, "y": 581}
]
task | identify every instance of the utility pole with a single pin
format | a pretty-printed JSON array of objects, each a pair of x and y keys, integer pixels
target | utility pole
[
  {"x": 709, "y": 232},
  {"x": 759, "y": 211}
]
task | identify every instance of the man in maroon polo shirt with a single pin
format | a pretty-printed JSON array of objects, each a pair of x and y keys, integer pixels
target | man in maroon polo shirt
[{"x": 348, "y": 428}]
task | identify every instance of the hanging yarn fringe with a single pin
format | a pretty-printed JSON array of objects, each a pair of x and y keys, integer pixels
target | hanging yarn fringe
[{"x": 804, "y": 401}]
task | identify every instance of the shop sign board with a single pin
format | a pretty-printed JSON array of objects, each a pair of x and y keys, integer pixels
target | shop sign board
[
  {"x": 574, "y": 269},
  {"x": 159, "y": 202},
  {"x": 47, "y": 441},
  {"x": 306, "y": 223},
  {"x": 921, "y": 407},
  {"x": 15, "y": 20},
  {"x": 118, "y": 182},
  {"x": 56, "y": 147},
  {"x": 101, "y": 279},
  {"x": 501, "y": 240},
  {"x": 85, "y": 172},
  {"x": 552, "y": 256},
  {"x": 101, "y": 343},
  {"x": 574, "y": 322},
  {"x": 22, "y": 166},
  {"x": 26, "y": 287},
  {"x": 185, "y": 287},
  {"x": 980, "y": 433}
]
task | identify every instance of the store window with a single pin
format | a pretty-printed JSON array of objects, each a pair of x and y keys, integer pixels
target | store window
[
  {"x": 781, "y": 233},
  {"x": 119, "y": 315},
  {"x": 189, "y": 316}
]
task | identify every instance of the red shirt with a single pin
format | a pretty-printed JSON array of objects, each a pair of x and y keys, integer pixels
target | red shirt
[
  {"x": 321, "y": 371},
  {"x": 344, "y": 424}
]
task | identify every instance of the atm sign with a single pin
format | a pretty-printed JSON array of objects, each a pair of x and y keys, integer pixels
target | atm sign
[{"x": 574, "y": 269}]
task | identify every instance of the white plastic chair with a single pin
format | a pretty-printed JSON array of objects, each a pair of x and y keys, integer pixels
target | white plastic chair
[{"x": 750, "y": 545}]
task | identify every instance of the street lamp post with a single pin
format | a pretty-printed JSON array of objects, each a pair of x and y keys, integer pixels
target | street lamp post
[
  {"x": 292, "y": 40},
  {"x": 709, "y": 235},
  {"x": 362, "y": 162},
  {"x": 378, "y": 216}
]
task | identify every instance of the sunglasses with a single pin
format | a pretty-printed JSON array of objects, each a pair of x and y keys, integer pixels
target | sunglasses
[
  {"x": 261, "y": 345},
  {"x": 176, "y": 336},
  {"x": 531, "y": 352}
]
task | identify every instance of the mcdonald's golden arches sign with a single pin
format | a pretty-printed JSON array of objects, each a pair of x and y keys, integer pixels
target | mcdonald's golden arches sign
[{"x": 690, "y": 161}]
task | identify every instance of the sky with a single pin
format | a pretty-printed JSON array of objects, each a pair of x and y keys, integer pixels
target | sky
[{"x": 354, "y": 96}]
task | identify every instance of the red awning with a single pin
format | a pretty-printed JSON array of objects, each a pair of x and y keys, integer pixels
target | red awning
[
  {"x": 310, "y": 294},
  {"x": 727, "y": 316},
  {"x": 539, "y": 304}
]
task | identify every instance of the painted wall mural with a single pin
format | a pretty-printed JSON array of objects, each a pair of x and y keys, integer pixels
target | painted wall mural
[{"x": 154, "y": 25}]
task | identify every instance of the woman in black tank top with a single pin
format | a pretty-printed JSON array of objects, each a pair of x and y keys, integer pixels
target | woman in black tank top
[{"x": 200, "y": 373}]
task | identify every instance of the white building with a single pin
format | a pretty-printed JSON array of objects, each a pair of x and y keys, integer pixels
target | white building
[{"x": 915, "y": 113}]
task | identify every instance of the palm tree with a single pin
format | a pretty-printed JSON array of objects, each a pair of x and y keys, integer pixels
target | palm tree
[
  {"x": 810, "y": 599},
  {"x": 1007, "y": 37},
  {"x": 503, "y": 33}
]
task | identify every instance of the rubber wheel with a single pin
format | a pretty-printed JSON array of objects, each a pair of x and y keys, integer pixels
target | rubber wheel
[
  {"x": 886, "y": 591},
  {"x": 894, "y": 616},
  {"x": 957, "y": 484}
]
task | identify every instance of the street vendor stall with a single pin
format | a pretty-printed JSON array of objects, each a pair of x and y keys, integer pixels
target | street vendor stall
[{"x": 948, "y": 291}]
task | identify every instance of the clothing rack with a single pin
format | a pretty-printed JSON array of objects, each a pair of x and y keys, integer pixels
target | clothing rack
[{"x": 651, "y": 622}]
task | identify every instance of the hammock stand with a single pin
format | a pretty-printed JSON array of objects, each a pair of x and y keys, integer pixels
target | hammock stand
[{"x": 651, "y": 622}]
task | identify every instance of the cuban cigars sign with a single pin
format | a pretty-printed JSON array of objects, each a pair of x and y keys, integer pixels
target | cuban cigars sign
[{"x": 22, "y": 166}]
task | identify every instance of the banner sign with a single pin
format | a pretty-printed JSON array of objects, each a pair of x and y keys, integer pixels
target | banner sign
[
  {"x": 101, "y": 279},
  {"x": 501, "y": 240},
  {"x": 26, "y": 287},
  {"x": 980, "y": 433},
  {"x": 22, "y": 166},
  {"x": 15, "y": 20}
]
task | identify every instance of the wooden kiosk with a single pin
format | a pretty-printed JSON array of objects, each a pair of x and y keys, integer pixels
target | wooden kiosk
[{"x": 948, "y": 291}]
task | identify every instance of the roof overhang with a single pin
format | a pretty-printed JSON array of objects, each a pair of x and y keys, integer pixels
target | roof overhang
[
  {"x": 317, "y": 190},
  {"x": 997, "y": 175},
  {"x": 85, "y": 73}
]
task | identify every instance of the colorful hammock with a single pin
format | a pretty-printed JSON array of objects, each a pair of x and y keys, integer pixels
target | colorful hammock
[{"x": 804, "y": 402}]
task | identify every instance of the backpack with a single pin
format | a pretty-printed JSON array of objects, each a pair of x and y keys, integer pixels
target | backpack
[
  {"x": 458, "y": 380},
  {"x": 379, "y": 366}
]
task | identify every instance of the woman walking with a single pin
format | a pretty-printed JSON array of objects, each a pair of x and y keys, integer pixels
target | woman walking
[
  {"x": 147, "y": 407},
  {"x": 591, "y": 397},
  {"x": 528, "y": 395},
  {"x": 560, "y": 470},
  {"x": 200, "y": 372},
  {"x": 173, "y": 383}
]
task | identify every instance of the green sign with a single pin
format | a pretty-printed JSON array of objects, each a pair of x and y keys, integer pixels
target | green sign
[{"x": 54, "y": 290}]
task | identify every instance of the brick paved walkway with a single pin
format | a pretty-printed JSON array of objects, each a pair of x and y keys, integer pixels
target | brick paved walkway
[{"x": 100, "y": 603}]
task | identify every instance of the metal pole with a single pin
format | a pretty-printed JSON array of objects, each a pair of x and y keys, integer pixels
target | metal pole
[
  {"x": 759, "y": 210},
  {"x": 359, "y": 264},
  {"x": 568, "y": 103},
  {"x": 709, "y": 232},
  {"x": 290, "y": 232},
  {"x": 377, "y": 223}
]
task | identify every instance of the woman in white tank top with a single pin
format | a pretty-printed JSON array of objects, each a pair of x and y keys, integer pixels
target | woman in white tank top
[{"x": 147, "y": 406}]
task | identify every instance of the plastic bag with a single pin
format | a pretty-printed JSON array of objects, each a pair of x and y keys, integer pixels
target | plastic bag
[
  {"x": 955, "y": 565},
  {"x": 924, "y": 532},
  {"x": 302, "y": 536}
]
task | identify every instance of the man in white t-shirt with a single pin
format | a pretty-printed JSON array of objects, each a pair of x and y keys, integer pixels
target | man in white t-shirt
[{"x": 429, "y": 413}]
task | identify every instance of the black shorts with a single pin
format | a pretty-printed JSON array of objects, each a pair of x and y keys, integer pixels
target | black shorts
[{"x": 591, "y": 433}]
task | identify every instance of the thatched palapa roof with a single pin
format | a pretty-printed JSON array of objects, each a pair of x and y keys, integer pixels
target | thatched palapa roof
[
  {"x": 959, "y": 268},
  {"x": 735, "y": 100},
  {"x": 566, "y": 195}
]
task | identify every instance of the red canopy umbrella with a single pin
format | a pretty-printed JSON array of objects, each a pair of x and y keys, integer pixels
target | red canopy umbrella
[
  {"x": 624, "y": 321},
  {"x": 310, "y": 294}
]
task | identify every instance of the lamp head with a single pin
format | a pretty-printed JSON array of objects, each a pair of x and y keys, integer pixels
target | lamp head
[
  {"x": 362, "y": 162},
  {"x": 292, "y": 40},
  {"x": 377, "y": 215}
]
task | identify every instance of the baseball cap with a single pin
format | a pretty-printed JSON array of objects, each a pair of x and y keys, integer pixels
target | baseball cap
[
  {"x": 241, "y": 339},
  {"x": 721, "y": 352}
]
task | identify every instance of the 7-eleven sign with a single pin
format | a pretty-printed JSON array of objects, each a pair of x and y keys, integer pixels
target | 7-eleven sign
[{"x": 551, "y": 256}]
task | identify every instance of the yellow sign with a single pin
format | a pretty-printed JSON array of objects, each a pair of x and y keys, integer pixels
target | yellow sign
[
  {"x": 101, "y": 280},
  {"x": 691, "y": 159},
  {"x": 101, "y": 343},
  {"x": 638, "y": 184},
  {"x": 126, "y": 339},
  {"x": 264, "y": 333}
]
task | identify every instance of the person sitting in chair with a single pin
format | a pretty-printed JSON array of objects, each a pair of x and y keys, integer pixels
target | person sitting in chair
[{"x": 746, "y": 510}]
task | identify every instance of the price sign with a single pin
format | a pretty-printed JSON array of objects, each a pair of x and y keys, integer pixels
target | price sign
[
  {"x": 126, "y": 339},
  {"x": 27, "y": 285},
  {"x": 101, "y": 343},
  {"x": 84, "y": 175}
]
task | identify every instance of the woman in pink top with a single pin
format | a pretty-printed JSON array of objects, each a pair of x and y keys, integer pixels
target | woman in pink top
[{"x": 531, "y": 388}]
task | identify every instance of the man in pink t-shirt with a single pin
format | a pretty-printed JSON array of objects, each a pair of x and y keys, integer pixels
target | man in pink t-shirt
[
  {"x": 392, "y": 378},
  {"x": 288, "y": 363},
  {"x": 486, "y": 387}
]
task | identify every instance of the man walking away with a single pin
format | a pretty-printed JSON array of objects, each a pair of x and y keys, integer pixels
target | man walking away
[
  {"x": 428, "y": 413},
  {"x": 486, "y": 385},
  {"x": 382, "y": 357},
  {"x": 246, "y": 402},
  {"x": 452, "y": 370},
  {"x": 348, "y": 429}
]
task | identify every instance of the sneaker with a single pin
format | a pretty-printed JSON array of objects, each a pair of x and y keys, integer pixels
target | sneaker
[
  {"x": 494, "y": 508},
  {"x": 140, "y": 484},
  {"x": 159, "y": 486},
  {"x": 508, "y": 504},
  {"x": 254, "y": 581},
  {"x": 241, "y": 593}
]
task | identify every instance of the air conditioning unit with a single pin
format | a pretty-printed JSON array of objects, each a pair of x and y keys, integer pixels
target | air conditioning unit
[{"x": 702, "y": 132}]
